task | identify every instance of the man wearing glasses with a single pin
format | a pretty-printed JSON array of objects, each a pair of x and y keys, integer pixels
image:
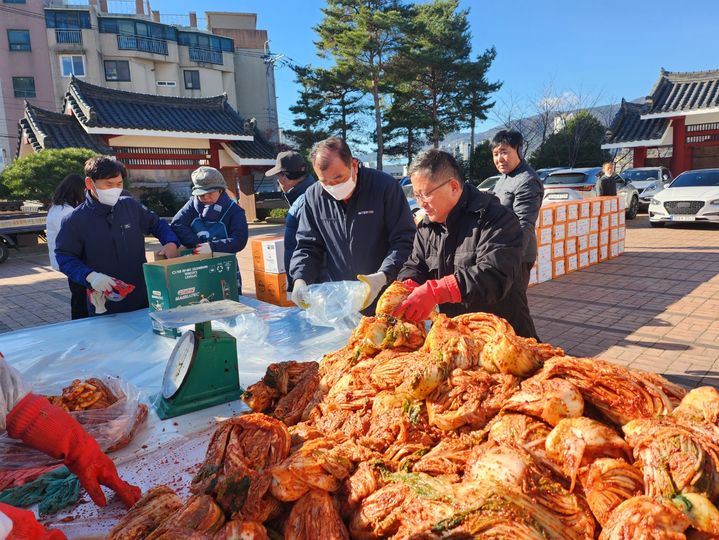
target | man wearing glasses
[
  {"x": 356, "y": 224},
  {"x": 467, "y": 251}
]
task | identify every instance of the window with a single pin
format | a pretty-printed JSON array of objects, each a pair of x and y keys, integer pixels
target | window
[
  {"x": 117, "y": 70},
  {"x": 205, "y": 41},
  {"x": 129, "y": 27},
  {"x": 23, "y": 87},
  {"x": 72, "y": 65},
  {"x": 19, "y": 40},
  {"x": 13, "y": 1},
  {"x": 67, "y": 20},
  {"x": 192, "y": 79}
]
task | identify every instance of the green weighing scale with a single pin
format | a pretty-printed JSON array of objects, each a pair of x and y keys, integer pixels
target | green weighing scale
[{"x": 202, "y": 369}]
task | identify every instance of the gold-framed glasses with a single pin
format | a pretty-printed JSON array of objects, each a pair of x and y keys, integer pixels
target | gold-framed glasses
[{"x": 426, "y": 196}]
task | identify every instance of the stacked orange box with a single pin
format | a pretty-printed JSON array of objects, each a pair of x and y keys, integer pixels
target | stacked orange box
[{"x": 268, "y": 258}]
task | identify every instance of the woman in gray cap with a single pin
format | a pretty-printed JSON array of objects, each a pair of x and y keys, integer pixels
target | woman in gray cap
[{"x": 210, "y": 221}]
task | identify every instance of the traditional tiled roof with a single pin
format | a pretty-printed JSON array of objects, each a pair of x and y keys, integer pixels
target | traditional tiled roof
[
  {"x": 99, "y": 107},
  {"x": 257, "y": 149},
  {"x": 682, "y": 92},
  {"x": 628, "y": 126},
  {"x": 46, "y": 129}
]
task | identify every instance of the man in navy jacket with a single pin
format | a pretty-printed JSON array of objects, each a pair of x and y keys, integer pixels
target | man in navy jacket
[
  {"x": 356, "y": 224},
  {"x": 103, "y": 240},
  {"x": 292, "y": 175}
]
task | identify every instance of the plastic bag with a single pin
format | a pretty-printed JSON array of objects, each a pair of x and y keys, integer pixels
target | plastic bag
[
  {"x": 336, "y": 304},
  {"x": 245, "y": 327},
  {"x": 113, "y": 427}
]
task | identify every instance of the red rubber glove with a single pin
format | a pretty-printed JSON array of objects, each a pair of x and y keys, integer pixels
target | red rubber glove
[
  {"x": 422, "y": 300},
  {"x": 26, "y": 527},
  {"x": 52, "y": 431},
  {"x": 410, "y": 284}
]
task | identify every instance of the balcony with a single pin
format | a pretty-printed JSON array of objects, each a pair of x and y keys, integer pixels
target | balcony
[
  {"x": 141, "y": 43},
  {"x": 68, "y": 36},
  {"x": 205, "y": 56}
]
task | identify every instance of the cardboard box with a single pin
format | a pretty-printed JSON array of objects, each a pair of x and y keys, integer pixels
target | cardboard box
[
  {"x": 558, "y": 268},
  {"x": 272, "y": 288},
  {"x": 584, "y": 209},
  {"x": 606, "y": 204},
  {"x": 572, "y": 211},
  {"x": 614, "y": 219},
  {"x": 622, "y": 218},
  {"x": 621, "y": 246},
  {"x": 621, "y": 232},
  {"x": 571, "y": 263},
  {"x": 268, "y": 254},
  {"x": 560, "y": 213},
  {"x": 559, "y": 232},
  {"x": 593, "y": 240},
  {"x": 583, "y": 259},
  {"x": 595, "y": 207},
  {"x": 613, "y": 250},
  {"x": 570, "y": 246},
  {"x": 594, "y": 224},
  {"x": 558, "y": 250},
  {"x": 544, "y": 253},
  {"x": 544, "y": 235},
  {"x": 621, "y": 203},
  {"x": 593, "y": 255},
  {"x": 544, "y": 271},
  {"x": 614, "y": 204},
  {"x": 604, "y": 222},
  {"x": 193, "y": 279},
  {"x": 546, "y": 216},
  {"x": 613, "y": 235},
  {"x": 571, "y": 229},
  {"x": 603, "y": 252},
  {"x": 582, "y": 226},
  {"x": 604, "y": 238},
  {"x": 583, "y": 242}
]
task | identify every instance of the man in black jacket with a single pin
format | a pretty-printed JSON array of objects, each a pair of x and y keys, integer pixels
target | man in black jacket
[
  {"x": 467, "y": 251},
  {"x": 356, "y": 224},
  {"x": 607, "y": 182}
]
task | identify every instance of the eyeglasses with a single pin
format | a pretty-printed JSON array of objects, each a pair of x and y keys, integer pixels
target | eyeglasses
[{"x": 425, "y": 196}]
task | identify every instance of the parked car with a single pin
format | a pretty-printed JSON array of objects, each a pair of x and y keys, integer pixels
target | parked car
[
  {"x": 488, "y": 183},
  {"x": 543, "y": 173},
  {"x": 648, "y": 180},
  {"x": 692, "y": 196},
  {"x": 572, "y": 184}
]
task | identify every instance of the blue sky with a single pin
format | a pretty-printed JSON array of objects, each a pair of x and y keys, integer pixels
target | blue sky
[{"x": 604, "y": 50}]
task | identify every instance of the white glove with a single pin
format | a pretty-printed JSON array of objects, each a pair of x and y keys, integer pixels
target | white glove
[
  {"x": 374, "y": 283},
  {"x": 202, "y": 249},
  {"x": 100, "y": 282},
  {"x": 299, "y": 289}
]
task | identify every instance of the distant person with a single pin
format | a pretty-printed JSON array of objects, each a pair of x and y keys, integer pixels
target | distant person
[
  {"x": 102, "y": 243},
  {"x": 67, "y": 196},
  {"x": 467, "y": 251},
  {"x": 211, "y": 222},
  {"x": 292, "y": 175},
  {"x": 356, "y": 224},
  {"x": 519, "y": 189},
  {"x": 607, "y": 181}
]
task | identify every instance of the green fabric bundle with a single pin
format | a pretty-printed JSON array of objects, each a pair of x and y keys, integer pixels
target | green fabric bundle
[{"x": 54, "y": 491}]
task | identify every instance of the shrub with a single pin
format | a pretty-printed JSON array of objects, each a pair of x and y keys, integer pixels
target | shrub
[
  {"x": 36, "y": 176},
  {"x": 278, "y": 213},
  {"x": 162, "y": 202}
]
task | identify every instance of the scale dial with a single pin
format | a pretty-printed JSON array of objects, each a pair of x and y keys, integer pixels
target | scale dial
[{"x": 179, "y": 364}]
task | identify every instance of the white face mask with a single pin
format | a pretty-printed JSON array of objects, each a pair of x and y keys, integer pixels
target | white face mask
[
  {"x": 343, "y": 190},
  {"x": 108, "y": 196}
]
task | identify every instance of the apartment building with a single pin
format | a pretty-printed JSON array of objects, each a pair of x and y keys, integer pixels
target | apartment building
[{"x": 137, "y": 52}]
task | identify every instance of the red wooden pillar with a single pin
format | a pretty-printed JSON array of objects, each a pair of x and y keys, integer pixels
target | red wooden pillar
[
  {"x": 681, "y": 152},
  {"x": 640, "y": 157},
  {"x": 215, "y": 154}
]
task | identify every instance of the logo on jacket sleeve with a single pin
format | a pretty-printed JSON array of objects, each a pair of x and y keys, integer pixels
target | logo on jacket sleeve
[{"x": 365, "y": 212}]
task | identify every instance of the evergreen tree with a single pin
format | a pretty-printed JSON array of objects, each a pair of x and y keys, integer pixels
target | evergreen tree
[
  {"x": 342, "y": 102},
  {"x": 309, "y": 117},
  {"x": 577, "y": 144},
  {"x": 362, "y": 36}
]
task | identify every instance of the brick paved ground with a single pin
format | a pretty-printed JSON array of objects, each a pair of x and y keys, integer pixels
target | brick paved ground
[{"x": 656, "y": 307}]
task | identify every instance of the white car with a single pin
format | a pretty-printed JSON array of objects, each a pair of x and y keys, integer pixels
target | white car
[{"x": 692, "y": 196}]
